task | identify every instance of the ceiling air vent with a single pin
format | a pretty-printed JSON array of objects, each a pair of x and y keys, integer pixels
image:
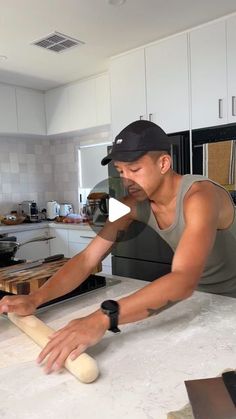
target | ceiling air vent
[{"x": 57, "y": 42}]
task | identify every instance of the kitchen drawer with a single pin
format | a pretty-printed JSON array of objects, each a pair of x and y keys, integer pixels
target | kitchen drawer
[
  {"x": 84, "y": 236},
  {"x": 75, "y": 248},
  {"x": 60, "y": 243}
]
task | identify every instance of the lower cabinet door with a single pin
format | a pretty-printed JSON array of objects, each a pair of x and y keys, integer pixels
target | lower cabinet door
[
  {"x": 35, "y": 250},
  {"x": 75, "y": 248},
  {"x": 60, "y": 243}
]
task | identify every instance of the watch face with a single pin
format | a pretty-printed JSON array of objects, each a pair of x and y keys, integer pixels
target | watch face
[{"x": 110, "y": 306}]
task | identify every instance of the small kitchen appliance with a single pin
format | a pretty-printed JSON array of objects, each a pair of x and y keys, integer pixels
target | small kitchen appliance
[
  {"x": 53, "y": 209},
  {"x": 30, "y": 210},
  {"x": 65, "y": 209},
  {"x": 97, "y": 207}
]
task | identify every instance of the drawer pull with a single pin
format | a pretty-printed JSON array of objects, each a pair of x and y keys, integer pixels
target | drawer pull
[
  {"x": 87, "y": 237},
  {"x": 233, "y": 105},
  {"x": 220, "y": 108}
]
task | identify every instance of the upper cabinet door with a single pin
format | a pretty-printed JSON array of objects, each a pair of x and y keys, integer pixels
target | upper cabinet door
[
  {"x": 57, "y": 110},
  {"x": 208, "y": 75},
  {"x": 30, "y": 111},
  {"x": 167, "y": 84},
  {"x": 82, "y": 106},
  {"x": 8, "y": 114},
  {"x": 103, "y": 105},
  {"x": 128, "y": 89},
  {"x": 231, "y": 61}
]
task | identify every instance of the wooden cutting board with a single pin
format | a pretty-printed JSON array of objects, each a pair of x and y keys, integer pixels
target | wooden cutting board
[{"x": 24, "y": 282}]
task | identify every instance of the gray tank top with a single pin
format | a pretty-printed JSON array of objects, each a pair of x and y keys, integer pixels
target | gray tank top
[{"x": 219, "y": 274}]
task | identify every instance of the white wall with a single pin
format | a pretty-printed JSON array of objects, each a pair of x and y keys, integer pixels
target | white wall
[
  {"x": 25, "y": 172},
  {"x": 41, "y": 170}
]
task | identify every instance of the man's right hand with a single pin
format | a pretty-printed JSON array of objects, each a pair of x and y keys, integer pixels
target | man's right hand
[{"x": 19, "y": 304}]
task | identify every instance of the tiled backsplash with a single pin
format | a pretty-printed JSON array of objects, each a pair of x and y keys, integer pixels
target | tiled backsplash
[
  {"x": 41, "y": 169},
  {"x": 25, "y": 172}
]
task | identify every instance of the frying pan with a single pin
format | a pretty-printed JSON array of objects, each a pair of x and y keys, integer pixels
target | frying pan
[{"x": 8, "y": 249}]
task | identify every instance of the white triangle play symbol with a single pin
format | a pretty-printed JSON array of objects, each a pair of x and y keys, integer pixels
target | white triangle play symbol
[{"x": 117, "y": 210}]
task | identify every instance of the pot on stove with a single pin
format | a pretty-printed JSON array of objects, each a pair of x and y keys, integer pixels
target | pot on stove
[{"x": 9, "y": 247}]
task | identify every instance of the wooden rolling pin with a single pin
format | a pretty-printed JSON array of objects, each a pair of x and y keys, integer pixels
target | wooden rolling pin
[{"x": 84, "y": 367}]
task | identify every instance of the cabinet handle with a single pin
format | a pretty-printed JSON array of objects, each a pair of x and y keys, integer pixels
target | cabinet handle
[
  {"x": 86, "y": 237},
  {"x": 150, "y": 117},
  {"x": 233, "y": 105},
  {"x": 220, "y": 108}
]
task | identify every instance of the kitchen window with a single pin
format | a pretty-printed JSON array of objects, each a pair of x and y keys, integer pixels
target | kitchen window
[{"x": 91, "y": 172}]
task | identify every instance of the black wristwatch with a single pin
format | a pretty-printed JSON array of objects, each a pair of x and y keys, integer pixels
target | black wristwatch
[{"x": 111, "y": 309}]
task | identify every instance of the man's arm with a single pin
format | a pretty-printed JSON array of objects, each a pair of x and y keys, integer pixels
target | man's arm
[
  {"x": 201, "y": 216},
  {"x": 72, "y": 274}
]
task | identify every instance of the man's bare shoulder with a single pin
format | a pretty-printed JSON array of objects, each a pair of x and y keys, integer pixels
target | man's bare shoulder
[
  {"x": 210, "y": 199},
  {"x": 203, "y": 187}
]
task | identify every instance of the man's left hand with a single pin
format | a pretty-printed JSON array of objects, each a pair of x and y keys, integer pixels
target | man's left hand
[{"x": 73, "y": 340}]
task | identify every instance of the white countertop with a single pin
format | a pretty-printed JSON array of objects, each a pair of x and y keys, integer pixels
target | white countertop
[
  {"x": 22, "y": 227},
  {"x": 44, "y": 224},
  {"x": 142, "y": 369}
]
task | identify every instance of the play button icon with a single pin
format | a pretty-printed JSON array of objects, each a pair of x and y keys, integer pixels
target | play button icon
[
  {"x": 108, "y": 200},
  {"x": 117, "y": 210}
]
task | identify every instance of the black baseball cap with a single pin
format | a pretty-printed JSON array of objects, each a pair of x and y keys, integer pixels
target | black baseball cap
[{"x": 137, "y": 139}]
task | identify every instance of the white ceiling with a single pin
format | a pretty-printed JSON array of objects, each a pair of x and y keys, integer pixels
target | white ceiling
[{"x": 106, "y": 30}]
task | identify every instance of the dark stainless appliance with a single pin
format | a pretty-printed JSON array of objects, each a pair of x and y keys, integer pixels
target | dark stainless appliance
[{"x": 142, "y": 253}]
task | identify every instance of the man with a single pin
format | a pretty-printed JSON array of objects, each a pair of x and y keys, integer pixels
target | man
[{"x": 193, "y": 214}]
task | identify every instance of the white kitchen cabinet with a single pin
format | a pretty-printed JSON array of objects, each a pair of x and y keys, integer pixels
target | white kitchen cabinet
[
  {"x": 57, "y": 110},
  {"x": 231, "y": 63},
  {"x": 208, "y": 75},
  {"x": 78, "y": 106},
  {"x": 8, "y": 114},
  {"x": 75, "y": 248},
  {"x": 167, "y": 83},
  {"x": 72, "y": 241},
  {"x": 79, "y": 240},
  {"x": 30, "y": 111},
  {"x": 60, "y": 243},
  {"x": 103, "y": 106},
  {"x": 81, "y": 236},
  {"x": 82, "y": 105},
  {"x": 35, "y": 250},
  {"x": 106, "y": 265},
  {"x": 128, "y": 89}
]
